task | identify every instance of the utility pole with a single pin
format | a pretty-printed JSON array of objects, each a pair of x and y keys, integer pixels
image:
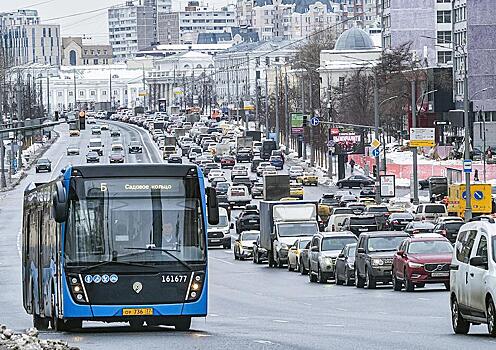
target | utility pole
[
  {"x": 48, "y": 94},
  {"x": 110, "y": 92},
  {"x": 266, "y": 105},
  {"x": 144, "y": 87},
  {"x": 237, "y": 96},
  {"x": 303, "y": 114},
  {"x": 229, "y": 91},
  {"x": 468, "y": 199},
  {"x": 414, "y": 149},
  {"x": 75, "y": 89},
  {"x": 286, "y": 110},
  {"x": 248, "y": 94},
  {"x": 376, "y": 132},
  {"x": 257, "y": 101},
  {"x": 277, "y": 109},
  {"x": 312, "y": 146},
  {"x": 19, "y": 116}
]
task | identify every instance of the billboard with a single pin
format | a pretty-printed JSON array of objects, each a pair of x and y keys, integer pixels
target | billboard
[
  {"x": 422, "y": 137},
  {"x": 296, "y": 123},
  {"x": 348, "y": 142}
]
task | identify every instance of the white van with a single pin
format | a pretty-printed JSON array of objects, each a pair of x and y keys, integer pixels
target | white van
[
  {"x": 473, "y": 276},
  {"x": 238, "y": 196},
  {"x": 430, "y": 211},
  {"x": 336, "y": 222},
  {"x": 96, "y": 145},
  {"x": 220, "y": 234}
]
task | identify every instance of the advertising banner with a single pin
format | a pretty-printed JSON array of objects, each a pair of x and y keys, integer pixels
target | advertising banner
[{"x": 296, "y": 123}]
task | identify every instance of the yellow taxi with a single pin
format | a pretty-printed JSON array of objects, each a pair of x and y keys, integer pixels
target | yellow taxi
[
  {"x": 294, "y": 254},
  {"x": 296, "y": 190},
  {"x": 243, "y": 245},
  {"x": 308, "y": 179}
]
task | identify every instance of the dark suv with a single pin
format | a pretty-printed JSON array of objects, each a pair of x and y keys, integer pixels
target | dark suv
[
  {"x": 374, "y": 257},
  {"x": 359, "y": 224},
  {"x": 248, "y": 219}
]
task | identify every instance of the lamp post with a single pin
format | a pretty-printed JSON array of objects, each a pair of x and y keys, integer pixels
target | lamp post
[
  {"x": 483, "y": 136},
  {"x": 383, "y": 133}
]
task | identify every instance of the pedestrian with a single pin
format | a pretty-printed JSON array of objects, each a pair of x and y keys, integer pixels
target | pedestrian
[
  {"x": 352, "y": 165},
  {"x": 476, "y": 175}
]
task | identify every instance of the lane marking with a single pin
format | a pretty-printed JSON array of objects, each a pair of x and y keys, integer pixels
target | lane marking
[
  {"x": 280, "y": 321},
  {"x": 201, "y": 335},
  {"x": 423, "y": 299},
  {"x": 223, "y": 261},
  {"x": 339, "y": 309},
  {"x": 55, "y": 170},
  {"x": 404, "y": 332},
  {"x": 265, "y": 342},
  {"x": 19, "y": 248},
  {"x": 334, "y": 325}
]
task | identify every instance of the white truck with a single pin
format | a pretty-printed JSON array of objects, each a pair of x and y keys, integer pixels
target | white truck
[
  {"x": 282, "y": 223},
  {"x": 96, "y": 145}
]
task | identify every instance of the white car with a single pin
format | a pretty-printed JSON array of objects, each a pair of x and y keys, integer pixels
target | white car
[
  {"x": 269, "y": 170},
  {"x": 239, "y": 170},
  {"x": 473, "y": 276},
  {"x": 295, "y": 171},
  {"x": 238, "y": 196},
  {"x": 215, "y": 173},
  {"x": 430, "y": 212},
  {"x": 261, "y": 167}
]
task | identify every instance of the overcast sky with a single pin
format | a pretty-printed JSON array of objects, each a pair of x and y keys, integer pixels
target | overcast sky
[{"x": 93, "y": 25}]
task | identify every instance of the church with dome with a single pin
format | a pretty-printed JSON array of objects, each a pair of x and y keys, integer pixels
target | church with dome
[{"x": 353, "y": 50}]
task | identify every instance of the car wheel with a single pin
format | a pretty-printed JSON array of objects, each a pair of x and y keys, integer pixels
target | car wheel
[
  {"x": 447, "y": 285},
  {"x": 235, "y": 255},
  {"x": 289, "y": 266},
  {"x": 339, "y": 281},
  {"x": 409, "y": 286},
  {"x": 347, "y": 280},
  {"x": 397, "y": 284},
  {"x": 303, "y": 271},
  {"x": 321, "y": 278},
  {"x": 311, "y": 276},
  {"x": 359, "y": 282},
  {"x": 460, "y": 325},
  {"x": 340, "y": 185},
  {"x": 370, "y": 280},
  {"x": 491, "y": 318}
]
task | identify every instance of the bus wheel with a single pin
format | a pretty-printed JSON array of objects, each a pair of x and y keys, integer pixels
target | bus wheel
[
  {"x": 136, "y": 324},
  {"x": 183, "y": 324},
  {"x": 66, "y": 325}
]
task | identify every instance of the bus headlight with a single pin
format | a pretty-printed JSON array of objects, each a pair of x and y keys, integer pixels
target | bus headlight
[
  {"x": 77, "y": 289},
  {"x": 195, "y": 286}
]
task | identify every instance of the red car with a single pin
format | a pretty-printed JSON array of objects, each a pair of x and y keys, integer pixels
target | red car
[
  {"x": 227, "y": 161},
  {"x": 422, "y": 259}
]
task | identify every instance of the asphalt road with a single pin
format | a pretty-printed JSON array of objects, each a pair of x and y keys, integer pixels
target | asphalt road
[{"x": 250, "y": 306}]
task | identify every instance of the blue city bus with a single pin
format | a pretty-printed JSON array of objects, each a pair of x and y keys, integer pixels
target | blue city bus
[{"x": 117, "y": 243}]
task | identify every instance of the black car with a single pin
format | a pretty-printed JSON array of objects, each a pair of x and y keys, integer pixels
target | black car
[
  {"x": 359, "y": 224},
  {"x": 368, "y": 192},
  {"x": 174, "y": 159},
  {"x": 43, "y": 164},
  {"x": 355, "y": 181},
  {"x": 92, "y": 157},
  {"x": 416, "y": 227},
  {"x": 398, "y": 221},
  {"x": 374, "y": 257},
  {"x": 210, "y": 166},
  {"x": 259, "y": 253},
  {"x": 115, "y": 133},
  {"x": 135, "y": 147},
  {"x": 248, "y": 219},
  {"x": 448, "y": 229},
  {"x": 254, "y": 164},
  {"x": 345, "y": 265},
  {"x": 244, "y": 156}
]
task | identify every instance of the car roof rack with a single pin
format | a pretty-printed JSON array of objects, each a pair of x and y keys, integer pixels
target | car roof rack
[{"x": 483, "y": 218}]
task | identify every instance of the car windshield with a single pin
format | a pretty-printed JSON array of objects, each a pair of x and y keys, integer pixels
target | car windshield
[
  {"x": 336, "y": 243},
  {"x": 430, "y": 247},
  {"x": 436, "y": 209},
  {"x": 92, "y": 154},
  {"x": 401, "y": 216},
  {"x": 294, "y": 230},
  {"x": 223, "y": 222},
  {"x": 378, "y": 210},
  {"x": 109, "y": 216},
  {"x": 43, "y": 161},
  {"x": 303, "y": 243},
  {"x": 343, "y": 211},
  {"x": 249, "y": 236},
  {"x": 384, "y": 244},
  {"x": 454, "y": 226},
  {"x": 351, "y": 250},
  {"x": 295, "y": 169}
]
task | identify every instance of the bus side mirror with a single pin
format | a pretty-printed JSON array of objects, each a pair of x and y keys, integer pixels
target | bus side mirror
[
  {"x": 212, "y": 206},
  {"x": 60, "y": 203}
]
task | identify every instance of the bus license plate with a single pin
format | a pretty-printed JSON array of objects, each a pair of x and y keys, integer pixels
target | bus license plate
[{"x": 137, "y": 312}]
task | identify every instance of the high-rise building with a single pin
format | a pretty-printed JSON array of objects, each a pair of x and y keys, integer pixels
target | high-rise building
[
  {"x": 132, "y": 27},
  {"x": 26, "y": 40},
  {"x": 426, "y": 24}
]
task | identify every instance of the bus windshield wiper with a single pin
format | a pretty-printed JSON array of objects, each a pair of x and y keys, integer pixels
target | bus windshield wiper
[
  {"x": 116, "y": 262},
  {"x": 166, "y": 251}
]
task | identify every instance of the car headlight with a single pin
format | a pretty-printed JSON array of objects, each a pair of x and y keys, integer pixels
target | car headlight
[
  {"x": 284, "y": 246},
  {"x": 415, "y": 265},
  {"x": 377, "y": 262}
]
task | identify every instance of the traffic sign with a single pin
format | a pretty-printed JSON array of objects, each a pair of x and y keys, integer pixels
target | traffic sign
[
  {"x": 331, "y": 143},
  {"x": 467, "y": 166},
  {"x": 334, "y": 131},
  {"x": 375, "y": 143},
  {"x": 314, "y": 121},
  {"x": 422, "y": 137},
  {"x": 464, "y": 195},
  {"x": 478, "y": 195},
  {"x": 376, "y": 152}
]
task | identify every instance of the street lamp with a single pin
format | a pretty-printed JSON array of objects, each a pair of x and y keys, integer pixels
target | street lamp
[{"x": 383, "y": 132}]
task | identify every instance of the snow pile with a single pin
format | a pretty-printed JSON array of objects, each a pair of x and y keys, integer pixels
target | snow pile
[{"x": 29, "y": 341}]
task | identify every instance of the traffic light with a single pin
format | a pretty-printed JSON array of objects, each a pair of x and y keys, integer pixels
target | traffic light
[
  {"x": 82, "y": 120},
  {"x": 305, "y": 120}
]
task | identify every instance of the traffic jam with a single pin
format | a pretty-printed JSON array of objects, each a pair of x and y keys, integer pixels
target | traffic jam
[{"x": 275, "y": 211}]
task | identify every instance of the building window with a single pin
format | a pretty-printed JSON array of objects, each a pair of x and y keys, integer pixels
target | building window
[
  {"x": 443, "y": 16},
  {"x": 444, "y": 57},
  {"x": 95, "y": 61},
  {"x": 59, "y": 94},
  {"x": 72, "y": 58},
  {"x": 104, "y": 93},
  {"x": 444, "y": 37},
  {"x": 81, "y": 93},
  {"x": 70, "y": 93},
  {"x": 92, "y": 93}
]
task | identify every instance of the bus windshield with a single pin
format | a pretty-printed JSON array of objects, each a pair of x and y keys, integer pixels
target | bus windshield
[{"x": 117, "y": 219}]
